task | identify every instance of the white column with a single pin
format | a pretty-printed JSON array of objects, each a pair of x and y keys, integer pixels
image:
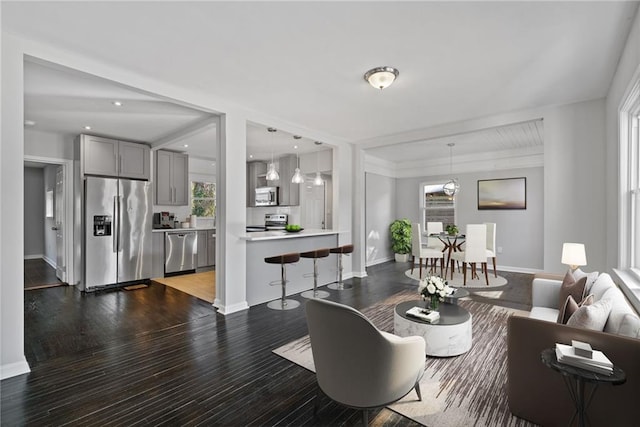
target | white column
[
  {"x": 12, "y": 358},
  {"x": 359, "y": 232},
  {"x": 231, "y": 213}
]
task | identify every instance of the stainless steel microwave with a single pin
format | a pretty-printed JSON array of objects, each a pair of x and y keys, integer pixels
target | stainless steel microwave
[{"x": 267, "y": 196}]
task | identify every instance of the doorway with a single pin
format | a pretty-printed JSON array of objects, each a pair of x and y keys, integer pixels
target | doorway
[{"x": 48, "y": 222}]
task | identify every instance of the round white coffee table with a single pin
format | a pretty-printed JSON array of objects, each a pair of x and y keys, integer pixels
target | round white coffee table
[{"x": 448, "y": 336}]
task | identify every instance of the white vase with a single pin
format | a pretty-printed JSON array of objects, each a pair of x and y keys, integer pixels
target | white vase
[{"x": 402, "y": 257}]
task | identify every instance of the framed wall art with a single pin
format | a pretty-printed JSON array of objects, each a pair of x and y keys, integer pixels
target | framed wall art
[{"x": 506, "y": 193}]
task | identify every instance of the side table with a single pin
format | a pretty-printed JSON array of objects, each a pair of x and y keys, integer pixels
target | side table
[{"x": 576, "y": 379}]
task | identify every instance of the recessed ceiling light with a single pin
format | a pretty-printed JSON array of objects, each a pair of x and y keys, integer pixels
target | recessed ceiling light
[
  {"x": 296, "y": 137},
  {"x": 117, "y": 103},
  {"x": 186, "y": 145},
  {"x": 251, "y": 156},
  {"x": 295, "y": 147},
  {"x": 87, "y": 127},
  {"x": 29, "y": 123}
]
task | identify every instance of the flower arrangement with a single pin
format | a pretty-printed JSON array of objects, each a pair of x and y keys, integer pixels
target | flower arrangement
[{"x": 434, "y": 289}]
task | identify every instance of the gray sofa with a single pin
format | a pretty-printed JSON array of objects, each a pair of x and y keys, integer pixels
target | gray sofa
[{"x": 537, "y": 393}]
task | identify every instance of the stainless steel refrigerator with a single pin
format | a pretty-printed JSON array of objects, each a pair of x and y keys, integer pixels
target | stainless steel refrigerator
[{"x": 117, "y": 244}]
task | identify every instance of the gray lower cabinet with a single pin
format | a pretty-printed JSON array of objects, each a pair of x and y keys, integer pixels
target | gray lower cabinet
[
  {"x": 157, "y": 254},
  {"x": 206, "y": 248}
]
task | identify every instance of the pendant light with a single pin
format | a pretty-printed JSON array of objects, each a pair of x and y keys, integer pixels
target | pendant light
[
  {"x": 452, "y": 186},
  {"x": 318, "y": 179},
  {"x": 297, "y": 177},
  {"x": 272, "y": 173}
]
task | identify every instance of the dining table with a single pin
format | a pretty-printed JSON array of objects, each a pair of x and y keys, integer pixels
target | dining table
[{"x": 452, "y": 243}]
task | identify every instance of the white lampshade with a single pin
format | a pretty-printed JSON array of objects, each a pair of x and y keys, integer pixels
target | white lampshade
[
  {"x": 381, "y": 77},
  {"x": 574, "y": 255}
]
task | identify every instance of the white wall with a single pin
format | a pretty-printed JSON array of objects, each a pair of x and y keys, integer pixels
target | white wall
[
  {"x": 381, "y": 205},
  {"x": 47, "y": 144},
  {"x": 33, "y": 212},
  {"x": 628, "y": 67},
  {"x": 518, "y": 232}
]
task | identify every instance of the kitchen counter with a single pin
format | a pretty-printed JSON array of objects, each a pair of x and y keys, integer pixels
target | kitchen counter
[
  {"x": 263, "y": 280},
  {"x": 281, "y": 234},
  {"x": 164, "y": 230}
]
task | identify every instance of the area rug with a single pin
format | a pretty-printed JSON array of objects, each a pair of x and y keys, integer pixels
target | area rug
[
  {"x": 465, "y": 390},
  {"x": 458, "y": 279}
]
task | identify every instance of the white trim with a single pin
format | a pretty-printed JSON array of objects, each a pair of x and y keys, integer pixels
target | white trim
[
  {"x": 629, "y": 106},
  {"x": 67, "y": 166},
  {"x": 14, "y": 369},
  {"x": 379, "y": 261},
  {"x": 36, "y": 256},
  {"x": 230, "y": 309},
  {"x": 50, "y": 261}
]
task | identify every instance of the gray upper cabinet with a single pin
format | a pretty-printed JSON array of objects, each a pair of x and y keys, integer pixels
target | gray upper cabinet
[
  {"x": 134, "y": 160},
  {"x": 172, "y": 178},
  {"x": 110, "y": 157},
  {"x": 255, "y": 178},
  {"x": 289, "y": 192}
]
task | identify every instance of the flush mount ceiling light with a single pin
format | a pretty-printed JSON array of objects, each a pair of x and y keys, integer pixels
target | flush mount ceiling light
[
  {"x": 381, "y": 77},
  {"x": 452, "y": 186},
  {"x": 272, "y": 173},
  {"x": 29, "y": 123},
  {"x": 297, "y": 177},
  {"x": 87, "y": 127},
  {"x": 117, "y": 103}
]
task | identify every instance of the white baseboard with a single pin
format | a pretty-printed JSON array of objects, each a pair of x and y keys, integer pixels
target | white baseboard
[
  {"x": 36, "y": 256},
  {"x": 231, "y": 308},
  {"x": 14, "y": 369},
  {"x": 379, "y": 261},
  {"x": 515, "y": 269},
  {"x": 50, "y": 261},
  {"x": 359, "y": 274}
]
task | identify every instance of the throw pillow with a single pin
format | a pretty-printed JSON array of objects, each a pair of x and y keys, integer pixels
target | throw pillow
[
  {"x": 592, "y": 316},
  {"x": 591, "y": 279},
  {"x": 570, "y": 307},
  {"x": 571, "y": 287}
]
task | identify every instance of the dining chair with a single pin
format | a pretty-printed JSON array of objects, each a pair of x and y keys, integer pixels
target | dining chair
[
  {"x": 434, "y": 228},
  {"x": 475, "y": 251},
  {"x": 491, "y": 244},
  {"x": 422, "y": 251}
]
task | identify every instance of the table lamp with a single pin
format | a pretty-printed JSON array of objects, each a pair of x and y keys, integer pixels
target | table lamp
[{"x": 573, "y": 255}]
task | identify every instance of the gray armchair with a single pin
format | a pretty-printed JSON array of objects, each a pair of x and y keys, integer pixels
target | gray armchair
[{"x": 358, "y": 365}]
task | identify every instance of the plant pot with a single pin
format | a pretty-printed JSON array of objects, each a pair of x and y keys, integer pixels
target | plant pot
[{"x": 402, "y": 257}]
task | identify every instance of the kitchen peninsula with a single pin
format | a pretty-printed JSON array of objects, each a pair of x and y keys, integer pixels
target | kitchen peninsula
[{"x": 299, "y": 275}]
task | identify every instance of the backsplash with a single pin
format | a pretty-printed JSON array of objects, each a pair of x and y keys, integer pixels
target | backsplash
[{"x": 255, "y": 216}]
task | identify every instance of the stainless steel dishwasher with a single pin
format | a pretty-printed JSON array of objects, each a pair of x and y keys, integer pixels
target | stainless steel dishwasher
[{"x": 180, "y": 251}]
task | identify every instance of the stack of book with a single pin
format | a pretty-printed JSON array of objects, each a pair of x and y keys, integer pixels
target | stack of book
[
  {"x": 581, "y": 355},
  {"x": 423, "y": 314}
]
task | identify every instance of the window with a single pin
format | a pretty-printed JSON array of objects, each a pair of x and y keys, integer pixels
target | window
[
  {"x": 203, "y": 199},
  {"x": 629, "y": 228},
  {"x": 436, "y": 205}
]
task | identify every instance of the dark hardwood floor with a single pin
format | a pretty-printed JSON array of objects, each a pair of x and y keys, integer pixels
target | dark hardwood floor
[
  {"x": 157, "y": 356},
  {"x": 38, "y": 274}
]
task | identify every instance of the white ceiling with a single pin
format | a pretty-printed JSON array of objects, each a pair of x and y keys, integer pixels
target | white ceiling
[{"x": 302, "y": 62}]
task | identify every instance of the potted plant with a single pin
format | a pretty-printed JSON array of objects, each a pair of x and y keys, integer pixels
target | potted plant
[
  {"x": 401, "y": 239},
  {"x": 451, "y": 229}
]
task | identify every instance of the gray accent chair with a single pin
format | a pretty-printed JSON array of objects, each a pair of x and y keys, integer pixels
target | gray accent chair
[{"x": 358, "y": 365}]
